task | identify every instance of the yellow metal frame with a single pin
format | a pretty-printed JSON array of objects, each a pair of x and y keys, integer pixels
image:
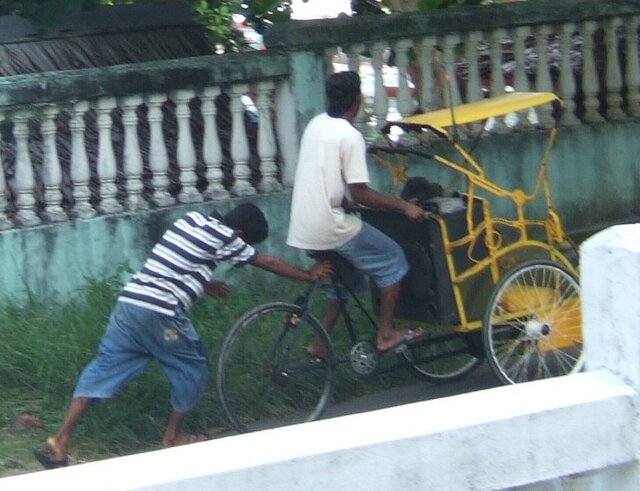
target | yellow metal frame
[{"x": 556, "y": 239}]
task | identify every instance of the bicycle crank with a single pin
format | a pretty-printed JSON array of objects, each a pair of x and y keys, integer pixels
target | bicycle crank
[{"x": 364, "y": 358}]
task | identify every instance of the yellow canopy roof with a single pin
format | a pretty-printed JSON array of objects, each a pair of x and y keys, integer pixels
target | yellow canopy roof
[{"x": 479, "y": 110}]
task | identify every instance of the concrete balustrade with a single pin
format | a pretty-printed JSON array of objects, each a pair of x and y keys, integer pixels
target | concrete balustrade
[
  {"x": 573, "y": 432},
  {"x": 126, "y": 150},
  {"x": 448, "y": 56},
  {"x": 584, "y": 50}
]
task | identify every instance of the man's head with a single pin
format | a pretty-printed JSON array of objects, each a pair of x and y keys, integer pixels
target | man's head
[
  {"x": 248, "y": 222},
  {"x": 343, "y": 94}
]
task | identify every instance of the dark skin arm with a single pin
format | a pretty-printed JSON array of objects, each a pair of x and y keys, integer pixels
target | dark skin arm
[
  {"x": 219, "y": 290},
  {"x": 364, "y": 195},
  {"x": 281, "y": 268}
]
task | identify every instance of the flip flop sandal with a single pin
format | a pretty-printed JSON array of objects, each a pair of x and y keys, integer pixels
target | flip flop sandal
[
  {"x": 46, "y": 461},
  {"x": 409, "y": 338}
]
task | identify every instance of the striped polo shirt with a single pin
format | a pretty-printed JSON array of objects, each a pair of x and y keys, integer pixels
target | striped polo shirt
[{"x": 182, "y": 263}]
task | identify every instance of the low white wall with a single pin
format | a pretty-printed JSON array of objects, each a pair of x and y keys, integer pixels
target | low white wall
[{"x": 577, "y": 432}]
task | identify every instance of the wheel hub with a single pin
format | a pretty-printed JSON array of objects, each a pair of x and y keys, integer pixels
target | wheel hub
[
  {"x": 537, "y": 329},
  {"x": 364, "y": 358}
]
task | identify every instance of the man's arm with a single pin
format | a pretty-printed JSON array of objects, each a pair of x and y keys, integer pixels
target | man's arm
[
  {"x": 279, "y": 267},
  {"x": 364, "y": 195}
]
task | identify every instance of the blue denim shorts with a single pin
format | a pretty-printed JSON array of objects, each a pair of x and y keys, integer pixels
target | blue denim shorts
[
  {"x": 373, "y": 254},
  {"x": 134, "y": 337}
]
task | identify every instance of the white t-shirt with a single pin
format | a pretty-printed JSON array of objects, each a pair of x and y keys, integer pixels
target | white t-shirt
[{"x": 332, "y": 154}]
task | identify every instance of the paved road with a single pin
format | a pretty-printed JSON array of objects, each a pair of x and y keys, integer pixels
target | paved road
[{"x": 481, "y": 378}]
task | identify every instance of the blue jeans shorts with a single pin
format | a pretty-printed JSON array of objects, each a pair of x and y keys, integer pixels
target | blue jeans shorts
[
  {"x": 134, "y": 337},
  {"x": 372, "y": 254}
]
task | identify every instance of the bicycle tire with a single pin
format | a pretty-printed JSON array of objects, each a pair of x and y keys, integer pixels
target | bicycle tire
[
  {"x": 533, "y": 325},
  {"x": 265, "y": 377}
]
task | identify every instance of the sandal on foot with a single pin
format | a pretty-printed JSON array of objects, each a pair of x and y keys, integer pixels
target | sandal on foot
[
  {"x": 408, "y": 338},
  {"x": 47, "y": 462}
]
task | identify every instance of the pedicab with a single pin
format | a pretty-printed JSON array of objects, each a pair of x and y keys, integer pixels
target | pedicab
[{"x": 484, "y": 285}]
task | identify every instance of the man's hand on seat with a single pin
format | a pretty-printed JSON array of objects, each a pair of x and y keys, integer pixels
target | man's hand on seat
[
  {"x": 414, "y": 212},
  {"x": 321, "y": 269}
]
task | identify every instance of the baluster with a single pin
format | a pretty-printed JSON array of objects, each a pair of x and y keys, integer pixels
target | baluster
[
  {"x": 186, "y": 152},
  {"x": 431, "y": 85},
  {"x": 287, "y": 130},
  {"x": 51, "y": 171},
  {"x": 24, "y": 184},
  {"x": 405, "y": 103},
  {"x": 330, "y": 54},
  {"x": 497, "y": 76},
  {"x": 589, "y": 75},
  {"x": 474, "y": 88},
  {"x": 567, "y": 77},
  {"x": 266, "y": 140},
  {"x": 211, "y": 149},
  {"x": 353, "y": 57},
  {"x": 132, "y": 155},
  {"x": 543, "y": 74},
  {"x": 80, "y": 171},
  {"x": 613, "y": 74},
  {"x": 452, "y": 96},
  {"x": 107, "y": 171},
  {"x": 239, "y": 144},
  {"x": 158, "y": 155},
  {"x": 380, "y": 98},
  {"x": 633, "y": 66},
  {"x": 520, "y": 81},
  {"x": 5, "y": 223}
]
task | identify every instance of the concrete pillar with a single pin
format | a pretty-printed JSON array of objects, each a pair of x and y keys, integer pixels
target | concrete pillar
[
  {"x": 308, "y": 74},
  {"x": 610, "y": 277}
]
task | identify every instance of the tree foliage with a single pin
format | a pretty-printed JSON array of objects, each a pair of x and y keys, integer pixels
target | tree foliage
[{"x": 216, "y": 15}]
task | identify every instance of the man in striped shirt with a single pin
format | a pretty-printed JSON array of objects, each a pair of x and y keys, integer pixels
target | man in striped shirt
[{"x": 150, "y": 319}]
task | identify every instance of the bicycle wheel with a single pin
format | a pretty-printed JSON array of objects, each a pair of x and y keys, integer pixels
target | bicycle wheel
[
  {"x": 265, "y": 377},
  {"x": 443, "y": 356},
  {"x": 533, "y": 325}
]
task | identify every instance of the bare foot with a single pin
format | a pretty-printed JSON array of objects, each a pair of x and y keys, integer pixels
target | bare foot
[
  {"x": 56, "y": 452},
  {"x": 316, "y": 350},
  {"x": 185, "y": 439}
]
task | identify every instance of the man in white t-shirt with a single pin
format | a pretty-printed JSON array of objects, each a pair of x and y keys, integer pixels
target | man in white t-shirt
[{"x": 333, "y": 158}]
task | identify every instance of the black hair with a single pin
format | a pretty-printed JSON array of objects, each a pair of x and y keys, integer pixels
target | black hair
[
  {"x": 249, "y": 219},
  {"x": 342, "y": 90},
  {"x": 420, "y": 189}
]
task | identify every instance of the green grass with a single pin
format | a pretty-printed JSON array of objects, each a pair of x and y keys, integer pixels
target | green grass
[{"x": 45, "y": 344}]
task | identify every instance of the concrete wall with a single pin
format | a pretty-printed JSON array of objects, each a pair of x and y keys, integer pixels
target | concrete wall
[
  {"x": 594, "y": 173},
  {"x": 55, "y": 260},
  {"x": 578, "y": 432}
]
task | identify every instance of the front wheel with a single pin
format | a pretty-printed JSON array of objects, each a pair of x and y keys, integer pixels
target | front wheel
[
  {"x": 533, "y": 325},
  {"x": 265, "y": 378}
]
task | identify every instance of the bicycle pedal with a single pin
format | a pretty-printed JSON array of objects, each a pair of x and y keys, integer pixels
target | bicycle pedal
[{"x": 402, "y": 349}]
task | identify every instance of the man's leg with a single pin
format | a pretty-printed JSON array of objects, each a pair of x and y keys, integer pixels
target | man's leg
[
  {"x": 316, "y": 349},
  {"x": 173, "y": 427},
  {"x": 388, "y": 336},
  {"x": 58, "y": 444},
  {"x": 185, "y": 362},
  {"x": 377, "y": 255}
]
